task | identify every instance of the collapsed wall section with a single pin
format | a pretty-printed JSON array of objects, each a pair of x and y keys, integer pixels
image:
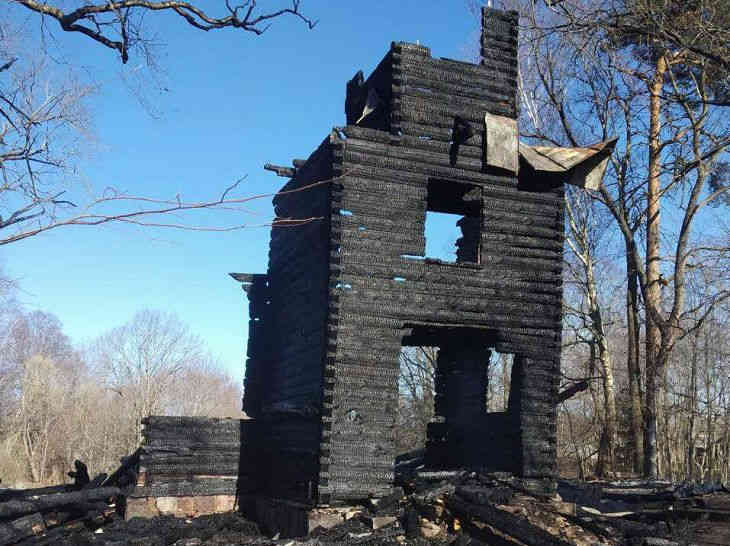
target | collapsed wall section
[{"x": 191, "y": 466}]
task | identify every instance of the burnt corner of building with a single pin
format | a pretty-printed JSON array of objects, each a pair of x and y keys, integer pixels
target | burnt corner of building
[{"x": 344, "y": 293}]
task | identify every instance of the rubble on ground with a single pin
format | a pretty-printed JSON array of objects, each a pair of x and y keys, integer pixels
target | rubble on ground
[{"x": 460, "y": 508}]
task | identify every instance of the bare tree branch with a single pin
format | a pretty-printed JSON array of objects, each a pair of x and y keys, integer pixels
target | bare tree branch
[{"x": 99, "y": 21}]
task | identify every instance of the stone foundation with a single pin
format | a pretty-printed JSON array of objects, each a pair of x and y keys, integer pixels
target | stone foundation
[{"x": 180, "y": 507}]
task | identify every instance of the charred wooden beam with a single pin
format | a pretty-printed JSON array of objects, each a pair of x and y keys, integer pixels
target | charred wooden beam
[
  {"x": 14, "y": 508},
  {"x": 21, "y": 528},
  {"x": 571, "y": 391},
  {"x": 286, "y": 172},
  {"x": 510, "y": 525}
]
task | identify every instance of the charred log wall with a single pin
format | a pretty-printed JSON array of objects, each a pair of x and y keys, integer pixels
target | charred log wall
[
  {"x": 288, "y": 312},
  {"x": 192, "y": 465},
  {"x": 506, "y": 281}
]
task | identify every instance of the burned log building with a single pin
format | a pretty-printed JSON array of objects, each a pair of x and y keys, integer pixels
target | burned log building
[{"x": 345, "y": 291}]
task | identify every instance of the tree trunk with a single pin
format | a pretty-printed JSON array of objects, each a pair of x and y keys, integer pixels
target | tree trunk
[
  {"x": 632, "y": 359},
  {"x": 609, "y": 404},
  {"x": 650, "y": 426},
  {"x": 709, "y": 396},
  {"x": 692, "y": 408},
  {"x": 652, "y": 294},
  {"x": 607, "y": 446}
]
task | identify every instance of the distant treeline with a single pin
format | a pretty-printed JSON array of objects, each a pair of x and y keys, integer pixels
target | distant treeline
[{"x": 59, "y": 402}]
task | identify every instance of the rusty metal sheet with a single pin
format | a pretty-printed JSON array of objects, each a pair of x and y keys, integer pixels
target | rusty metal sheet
[{"x": 500, "y": 143}]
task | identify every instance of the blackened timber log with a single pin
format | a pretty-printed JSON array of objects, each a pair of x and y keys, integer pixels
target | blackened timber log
[
  {"x": 188, "y": 423},
  {"x": 380, "y": 247},
  {"x": 445, "y": 105},
  {"x": 286, "y": 172},
  {"x": 572, "y": 391},
  {"x": 425, "y": 142},
  {"x": 9, "y": 494},
  {"x": 21, "y": 528},
  {"x": 15, "y": 508},
  {"x": 498, "y": 311},
  {"x": 512, "y": 293},
  {"x": 412, "y": 159},
  {"x": 155, "y": 443},
  {"x": 193, "y": 487},
  {"x": 360, "y": 165},
  {"x": 473, "y": 81},
  {"x": 201, "y": 468},
  {"x": 453, "y": 271},
  {"x": 414, "y": 80},
  {"x": 454, "y": 71},
  {"x": 383, "y": 186},
  {"x": 420, "y": 110},
  {"x": 369, "y": 201},
  {"x": 367, "y": 160},
  {"x": 511, "y": 287},
  {"x": 172, "y": 456},
  {"x": 201, "y": 436},
  {"x": 526, "y": 230},
  {"x": 509, "y": 524},
  {"x": 363, "y": 210},
  {"x": 362, "y": 232}
]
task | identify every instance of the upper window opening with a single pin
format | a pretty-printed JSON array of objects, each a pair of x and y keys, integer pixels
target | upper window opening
[{"x": 453, "y": 221}]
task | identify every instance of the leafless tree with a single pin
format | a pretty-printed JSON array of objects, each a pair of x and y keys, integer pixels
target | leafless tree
[
  {"x": 143, "y": 358},
  {"x": 120, "y": 25},
  {"x": 45, "y": 127},
  {"x": 586, "y": 317},
  {"x": 416, "y": 388},
  {"x": 597, "y": 68},
  {"x": 215, "y": 393},
  {"x": 42, "y": 405}
]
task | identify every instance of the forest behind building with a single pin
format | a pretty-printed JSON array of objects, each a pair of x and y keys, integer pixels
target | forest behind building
[{"x": 60, "y": 402}]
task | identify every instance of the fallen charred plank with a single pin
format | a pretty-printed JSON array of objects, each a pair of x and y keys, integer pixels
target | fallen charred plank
[
  {"x": 509, "y": 524},
  {"x": 63, "y": 531},
  {"x": 14, "y": 508},
  {"x": 23, "y": 527},
  {"x": 481, "y": 533},
  {"x": 485, "y": 495},
  {"x": 690, "y": 514},
  {"x": 626, "y": 526},
  {"x": 639, "y": 495},
  {"x": 9, "y": 494},
  {"x": 81, "y": 511}
]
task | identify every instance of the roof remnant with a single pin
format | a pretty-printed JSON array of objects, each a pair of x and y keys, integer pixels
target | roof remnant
[{"x": 585, "y": 166}]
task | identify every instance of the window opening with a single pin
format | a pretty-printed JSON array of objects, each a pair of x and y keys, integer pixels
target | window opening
[
  {"x": 453, "y": 221},
  {"x": 415, "y": 396},
  {"x": 499, "y": 381},
  {"x": 442, "y": 235}
]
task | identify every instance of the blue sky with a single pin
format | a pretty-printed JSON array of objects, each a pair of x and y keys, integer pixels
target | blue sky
[{"x": 234, "y": 102}]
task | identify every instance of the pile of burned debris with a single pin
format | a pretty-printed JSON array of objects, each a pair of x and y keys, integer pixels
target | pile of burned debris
[
  {"x": 54, "y": 512},
  {"x": 425, "y": 508}
]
